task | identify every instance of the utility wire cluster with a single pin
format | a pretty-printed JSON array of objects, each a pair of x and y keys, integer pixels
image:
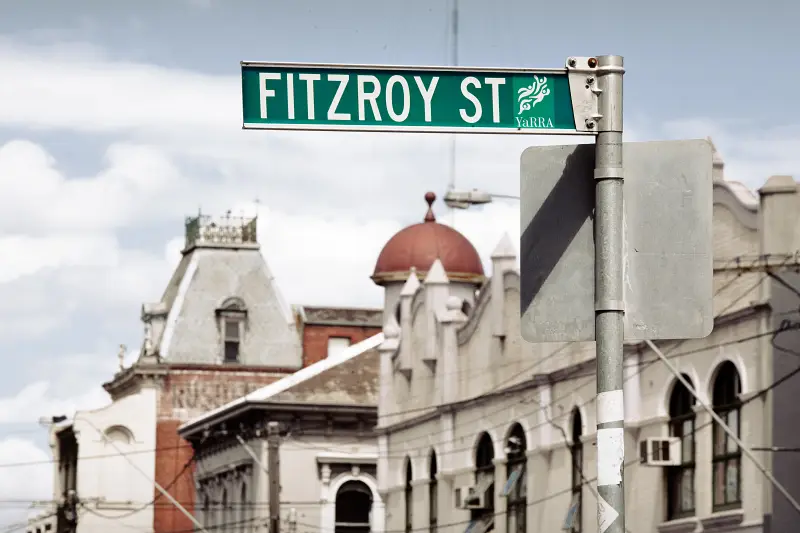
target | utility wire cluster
[{"x": 256, "y": 432}]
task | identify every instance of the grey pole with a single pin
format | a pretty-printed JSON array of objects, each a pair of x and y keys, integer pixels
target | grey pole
[
  {"x": 609, "y": 305},
  {"x": 274, "y": 474}
]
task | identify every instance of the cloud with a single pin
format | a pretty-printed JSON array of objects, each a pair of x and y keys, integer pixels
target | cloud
[
  {"x": 82, "y": 252},
  {"x": 751, "y": 154},
  {"x": 21, "y": 485},
  {"x": 77, "y": 89},
  {"x": 137, "y": 181},
  {"x": 33, "y": 402}
]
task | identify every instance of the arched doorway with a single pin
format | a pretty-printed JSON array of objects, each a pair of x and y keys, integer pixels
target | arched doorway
[{"x": 353, "y": 508}]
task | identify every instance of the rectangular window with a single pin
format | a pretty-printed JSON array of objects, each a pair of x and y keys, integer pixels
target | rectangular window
[
  {"x": 517, "y": 494},
  {"x": 337, "y": 345},
  {"x": 433, "y": 498},
  {"x": 726, "y": 462},
  {"x": 409, "y": 506},
  {"x": 577, "y": 487},
  {"x": 680, "y": 479},
  {"x": 232, "y": 340}
]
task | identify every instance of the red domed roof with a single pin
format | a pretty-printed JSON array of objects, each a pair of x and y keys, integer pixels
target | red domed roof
[{"x": 421, "y": 244}]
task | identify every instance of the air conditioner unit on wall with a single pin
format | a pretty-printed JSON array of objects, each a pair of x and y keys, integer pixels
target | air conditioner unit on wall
[
  {"x": 469, "y": 497},
  {"x": 660, "y": 451}
]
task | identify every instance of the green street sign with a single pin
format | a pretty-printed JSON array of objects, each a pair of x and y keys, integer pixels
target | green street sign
[{"x": 297, "y": 96}]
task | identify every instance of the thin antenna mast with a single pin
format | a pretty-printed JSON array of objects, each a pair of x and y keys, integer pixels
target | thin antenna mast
[{"x": 453, "y": 62}]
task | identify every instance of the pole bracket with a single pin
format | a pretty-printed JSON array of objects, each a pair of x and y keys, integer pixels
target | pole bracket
[
  {"x": 583, "y": 89},
  {"x": 609, "y": 305},
  {"x": 608, "y": 173}
]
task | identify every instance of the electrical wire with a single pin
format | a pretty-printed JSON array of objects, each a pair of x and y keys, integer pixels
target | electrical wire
[
  {"x": 586, "y": 481},
  {"x": 550, "y": 421},
  {"x": 492, "y": 392},
  {"x": 150, "y": 503},
  {"x": 590, "y": 380}
]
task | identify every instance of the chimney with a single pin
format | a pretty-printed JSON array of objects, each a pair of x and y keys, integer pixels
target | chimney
[{"x": 778, "y": 216}]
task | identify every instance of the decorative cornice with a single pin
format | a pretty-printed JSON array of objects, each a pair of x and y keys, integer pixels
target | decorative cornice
[
  {"x": 468, "y": 328},
  {"x": 340, "y": 316},
  {"x": 573, "y": 371},
  {"x": 133, "y": 376},
  {"x": 401, "y": 276},
  {"x": 251, "y": 414},
  {"x": 732, "y": 196}
]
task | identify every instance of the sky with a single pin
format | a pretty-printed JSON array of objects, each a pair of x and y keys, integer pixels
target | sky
[{"x": 117, "y": 120}]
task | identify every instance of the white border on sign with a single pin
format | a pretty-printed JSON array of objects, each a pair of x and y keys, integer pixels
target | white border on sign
[
  {"x": 410, "y": 129},
  {"x": 427, "y": 68}
]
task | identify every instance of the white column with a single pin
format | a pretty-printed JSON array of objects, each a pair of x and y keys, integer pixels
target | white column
[
  {"x": 377, "y": 519},
  {"x": 500, "y": 474},
  {"x": 327, "y": 511},
  {"x": 703, "y": 496}
]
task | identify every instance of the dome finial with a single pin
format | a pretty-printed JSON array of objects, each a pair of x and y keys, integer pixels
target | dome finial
[{"x": 430, "y": 197}]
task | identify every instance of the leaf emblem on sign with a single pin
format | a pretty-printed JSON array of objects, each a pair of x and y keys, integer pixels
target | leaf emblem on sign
[{"x": 529, "y": 96}]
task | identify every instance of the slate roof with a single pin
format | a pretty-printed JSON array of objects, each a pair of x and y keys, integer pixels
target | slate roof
[
  {"x": 349, "y": 378},
  {"x": 353, "y": 382}
]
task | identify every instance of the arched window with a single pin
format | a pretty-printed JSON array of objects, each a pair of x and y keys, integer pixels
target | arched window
[
  {"x": 516, "y": 488},
  {"x": 353, "y": 507},
  {"x": 232, "y": 315},
  {"x": 433, "y": 495},
  {"x": 484, "y": 482},
  {"x": 115, "y": 471},
  {"x": 575, "y": 517},
  {"x": 727, "y": 457},
  {"x": 409, "y": 497},
  {"x": 680, "y": 479}
]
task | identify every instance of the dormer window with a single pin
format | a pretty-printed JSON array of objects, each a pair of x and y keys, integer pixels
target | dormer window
[
  {"x": 233, "y": 337},
  {"x": 232, "y": 316}
]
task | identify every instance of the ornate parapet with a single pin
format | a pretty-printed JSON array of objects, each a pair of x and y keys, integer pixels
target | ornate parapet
[{"x": 228, "y": 231}]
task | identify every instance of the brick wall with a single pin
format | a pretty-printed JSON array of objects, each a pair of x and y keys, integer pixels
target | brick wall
[
  {"x": 203, "y": 388},
  {"x": 315, "y": 339},
  {"x": 173, "y": 452}
]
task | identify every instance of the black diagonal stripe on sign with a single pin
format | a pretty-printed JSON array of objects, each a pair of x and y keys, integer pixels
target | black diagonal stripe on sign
[{"x": 557, "y": 222}]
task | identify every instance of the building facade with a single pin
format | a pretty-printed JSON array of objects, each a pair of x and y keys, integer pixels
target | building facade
[
  {"x": 479, "y": 430},
  {"x": 326, "y": 414},
  {"x": 220, "y": 331}
]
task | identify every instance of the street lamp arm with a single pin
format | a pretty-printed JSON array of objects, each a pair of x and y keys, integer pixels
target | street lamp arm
[{"x": 465, "y": 199}]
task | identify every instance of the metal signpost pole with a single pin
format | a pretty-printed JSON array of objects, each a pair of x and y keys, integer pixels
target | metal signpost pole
[{"x": 609, "y": 305}]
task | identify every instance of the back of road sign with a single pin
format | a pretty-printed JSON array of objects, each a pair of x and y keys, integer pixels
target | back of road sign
[{"x": 668, "y": 283}]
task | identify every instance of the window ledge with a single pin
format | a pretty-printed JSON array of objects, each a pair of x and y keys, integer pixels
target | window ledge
[
  {"x": 723, "y": 519},
  {"x": 680, "y": 525}
]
